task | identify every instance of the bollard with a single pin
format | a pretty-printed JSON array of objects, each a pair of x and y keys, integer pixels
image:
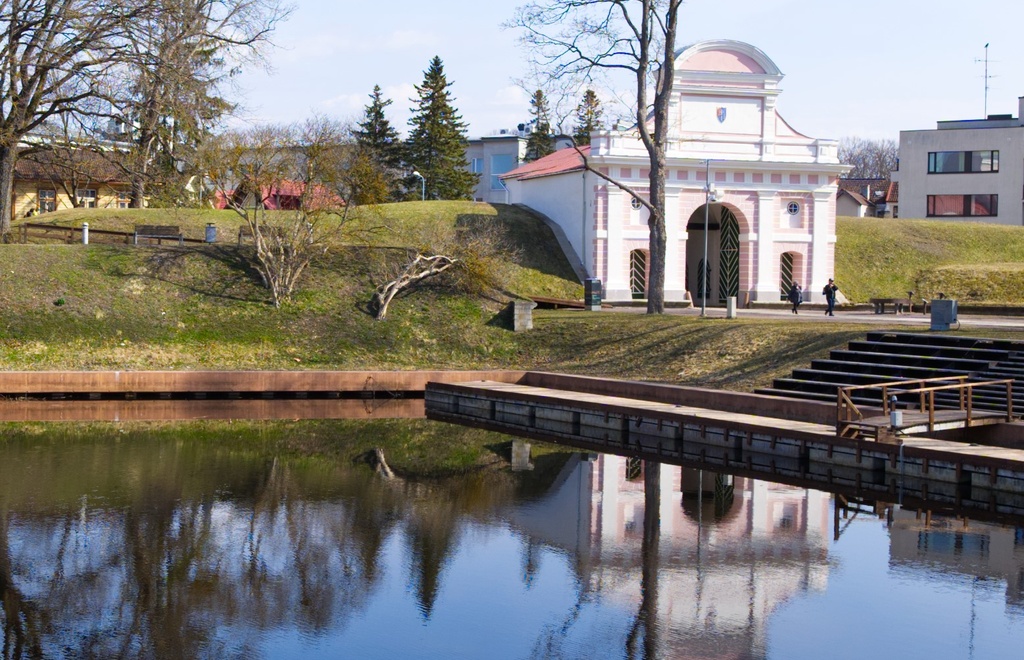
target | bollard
[
  {"x": 85, "y": 233},
  {"x": 730, "y": 307}
]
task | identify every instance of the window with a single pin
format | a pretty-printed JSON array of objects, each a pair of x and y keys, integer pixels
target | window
[
  {"x": 501, "y": 163},
  {"x": 635, "y": 204},
  {"x": 963, "y": 205},
  {"x": 959, "y": 162},
  {"x": 792, "y": 208},
  {"x": 476, "y": 165},
  {"x": 86, "y": 198},
  {"x": 47, "y": 201},
  {"x": 124, "y": 200}
]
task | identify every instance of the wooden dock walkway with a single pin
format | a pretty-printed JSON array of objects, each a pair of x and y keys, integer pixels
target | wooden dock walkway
[{"x": 671, "y": 430}]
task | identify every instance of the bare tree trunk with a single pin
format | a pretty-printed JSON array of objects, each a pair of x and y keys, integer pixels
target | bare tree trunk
[
  {"x": 8, "y": 157},
  {"x": 421, "y": 268}
]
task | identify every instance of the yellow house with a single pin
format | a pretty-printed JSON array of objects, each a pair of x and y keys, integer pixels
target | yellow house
[{"x": 82, "y": 179}]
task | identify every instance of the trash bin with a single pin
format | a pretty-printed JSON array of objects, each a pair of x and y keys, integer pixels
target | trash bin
[
  {"x": 592, "y": 294},
  {"x": 211, "y": 232}
]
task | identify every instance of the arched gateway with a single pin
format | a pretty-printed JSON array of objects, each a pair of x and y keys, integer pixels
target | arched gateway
[{"x": 773, "y": 190}]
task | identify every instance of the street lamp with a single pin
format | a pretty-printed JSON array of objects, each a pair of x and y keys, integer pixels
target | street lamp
[
  {"x": 423, "y": 185},
  {"x": 709, "y": 196}
]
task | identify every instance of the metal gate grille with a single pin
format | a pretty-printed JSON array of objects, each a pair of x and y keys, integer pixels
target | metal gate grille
[
  {"x": 786, "y": 277},
  {"x": 729, "y": 268},
  {"x": 638, "y": 273}
]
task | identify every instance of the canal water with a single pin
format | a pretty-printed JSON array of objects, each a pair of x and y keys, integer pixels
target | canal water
[{"x": 274, "y": 540}]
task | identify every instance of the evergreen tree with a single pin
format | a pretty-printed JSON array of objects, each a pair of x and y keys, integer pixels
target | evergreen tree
[
  {"x": 541, "y": 142},
  {"x": 380, "y": 147},
  {"x": 436, "y": 147},
  {"x": 588, "y": 118}
]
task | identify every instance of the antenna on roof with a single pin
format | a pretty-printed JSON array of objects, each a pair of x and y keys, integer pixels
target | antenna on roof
[{"x": 976, "y": 60}]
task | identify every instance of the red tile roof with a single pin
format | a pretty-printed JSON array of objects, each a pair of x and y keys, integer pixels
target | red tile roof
[{"x": 560, "y": 162}]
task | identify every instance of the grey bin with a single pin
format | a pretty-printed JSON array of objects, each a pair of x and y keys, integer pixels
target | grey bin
[
  {"x": 943, "y": 313},
  {"x": 592, "y": 294},
  {"x": 211, "y": 232}
]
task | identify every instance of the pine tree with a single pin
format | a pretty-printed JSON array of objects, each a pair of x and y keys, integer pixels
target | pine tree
[
  {"x": 541, "y": 142},
  {"x": 436, "y": 147},
  {"x": 381, "y": 148},
  {"x": 588, "y": 118}
]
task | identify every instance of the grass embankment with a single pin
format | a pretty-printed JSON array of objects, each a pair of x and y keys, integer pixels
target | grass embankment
[
  {"x": 975, "y": 263},
  {"x": 119, "y": 307}
]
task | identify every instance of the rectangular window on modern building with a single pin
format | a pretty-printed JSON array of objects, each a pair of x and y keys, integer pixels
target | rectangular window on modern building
[
  {"x": 962, "y": 162},
  {"x": 476, "y": 165},
  {"x": 978, "y": 206},
  {"x": 500, "y": 164}
]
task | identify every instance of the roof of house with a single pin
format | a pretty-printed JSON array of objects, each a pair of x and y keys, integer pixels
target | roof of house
[
  {"x": 88, "y": 164},
  {"x": 892, "y": 195},
  {"x": 560, "y": 162},
  {"x": 856, "y": 197}
]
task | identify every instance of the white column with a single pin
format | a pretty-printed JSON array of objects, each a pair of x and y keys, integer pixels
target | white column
[
  {"x": 767, "y": 269},
  {"x": 675, "y": 235},
  {"x": 617, "y": 286},
  {"x": 821, "y": 236}
]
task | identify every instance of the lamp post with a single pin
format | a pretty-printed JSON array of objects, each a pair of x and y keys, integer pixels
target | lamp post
[
  {"x": 423, "y": 185},
  {"x": 709, "y": 196}
]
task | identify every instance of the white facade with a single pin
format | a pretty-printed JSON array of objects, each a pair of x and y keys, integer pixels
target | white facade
[
  {"x": 964, "y": 170},
  {"x": 494, "y": 155},
  {"x": 774, "y": 220}
]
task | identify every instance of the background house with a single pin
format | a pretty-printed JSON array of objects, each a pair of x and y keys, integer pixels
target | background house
[
  {"x": 47, "y": 181},
  {"x": 964, "y": 170},
  {"x": 772, "y": 219}
]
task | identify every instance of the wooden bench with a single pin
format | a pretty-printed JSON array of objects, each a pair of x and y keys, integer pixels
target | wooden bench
[
  {"x": 899, "y": 305},
  {"x": 158, "y": 233}
]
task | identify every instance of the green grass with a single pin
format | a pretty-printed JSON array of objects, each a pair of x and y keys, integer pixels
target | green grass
[
  {"x": 139, "y": 308},
  {"x": 973, "y": 262}
]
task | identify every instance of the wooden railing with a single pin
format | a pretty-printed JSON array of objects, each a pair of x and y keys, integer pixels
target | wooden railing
[
  {"x": 70, "y": 234},
  {"x": 849, "y": 416}
]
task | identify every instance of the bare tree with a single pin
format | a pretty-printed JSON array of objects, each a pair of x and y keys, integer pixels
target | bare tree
[
  {"x": 578, "y": 39},
  {"x": 180, "y": 55},
  {"x": 54, "y": 56},
  {"x": 474, "y": 254},
  {"x": 288, "y": 185},
  {"x": 871, "y": 159}
]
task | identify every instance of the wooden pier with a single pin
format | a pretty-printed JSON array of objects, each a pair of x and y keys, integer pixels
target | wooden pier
[{"x": 737, "y": 430}]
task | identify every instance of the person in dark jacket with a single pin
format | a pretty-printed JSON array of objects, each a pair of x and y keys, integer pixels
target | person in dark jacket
[
  {"x": 830, "y": 296},
  {"x": 796, "y": 296}
]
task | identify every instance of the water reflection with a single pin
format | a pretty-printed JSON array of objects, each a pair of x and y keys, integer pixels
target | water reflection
[{"x": 163, "y": 547}]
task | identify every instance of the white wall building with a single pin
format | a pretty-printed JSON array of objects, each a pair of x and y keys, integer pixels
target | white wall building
[
  {"x": 493, "y": 155},
  {"x": 774, "y": 220},
  {"x": 964, "y": 170}
]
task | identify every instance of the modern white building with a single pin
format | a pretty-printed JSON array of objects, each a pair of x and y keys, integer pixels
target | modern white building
[
  {"x": 964, "y": 170},
  {"x": 494, "y": 155},
  {"x": 773, "y": 217}
]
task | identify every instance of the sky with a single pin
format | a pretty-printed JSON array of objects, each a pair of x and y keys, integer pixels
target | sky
[{"x": 864, "y": 69}]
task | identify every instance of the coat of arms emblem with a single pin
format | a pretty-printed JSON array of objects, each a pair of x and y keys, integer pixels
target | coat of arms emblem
[{"x": 720, "y": 113}]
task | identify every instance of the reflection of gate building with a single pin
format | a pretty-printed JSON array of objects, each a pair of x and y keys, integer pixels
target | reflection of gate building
[
  {"x": 771, "y": 220},
  {"x": 733, "y": 549}
]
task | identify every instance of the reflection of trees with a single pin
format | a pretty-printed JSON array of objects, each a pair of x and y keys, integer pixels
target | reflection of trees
[
  {"x": 645, "y": 625},
  {"x": 22, "y": 621},
  {"x": 179, "y": 551}
]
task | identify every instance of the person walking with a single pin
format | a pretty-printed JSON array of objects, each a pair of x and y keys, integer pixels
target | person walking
[
  {"x": 796, "y": 296},
  {"x": 830, "y": 296}
]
